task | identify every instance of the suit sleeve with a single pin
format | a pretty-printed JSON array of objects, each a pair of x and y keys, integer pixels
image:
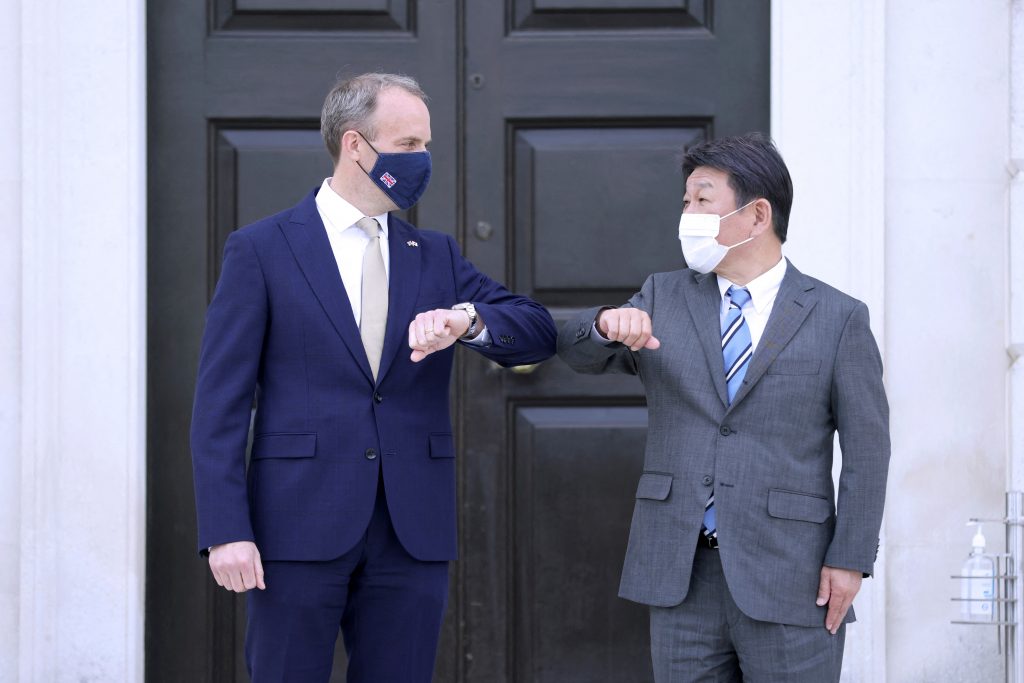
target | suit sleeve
[
  {"x": 226, "y": 384},
  {"x": 862, "y": 418},
  {"x": 584, "y": 355},
  {"x": 521, "y": 330}
]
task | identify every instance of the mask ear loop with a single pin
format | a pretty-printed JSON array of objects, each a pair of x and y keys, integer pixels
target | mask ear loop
[
  {"x": 737, "y": 211},
  {"x": 370, "y": 144}
]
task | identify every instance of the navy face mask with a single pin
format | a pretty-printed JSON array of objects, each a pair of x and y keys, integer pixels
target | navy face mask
[{"x": 402, "y": 176}]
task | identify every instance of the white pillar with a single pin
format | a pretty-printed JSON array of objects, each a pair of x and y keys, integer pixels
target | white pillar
[
  {"x": 1015, "y": 251},
  {"x": 828, "y": 119},
  {"x": 82, "y": 228}
]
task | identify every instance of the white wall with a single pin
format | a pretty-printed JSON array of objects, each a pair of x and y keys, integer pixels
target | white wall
[
  {"x": 10, "y": 338},
  {"x": 72, "y": 285},
  {"x": 947, "y": 147},
  {"x": 894, "y": 119}
]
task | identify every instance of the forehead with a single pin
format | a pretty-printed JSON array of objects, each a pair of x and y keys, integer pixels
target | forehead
[
  {"x": 707, "y": 179},
  {"x": 399, "y": 113}
]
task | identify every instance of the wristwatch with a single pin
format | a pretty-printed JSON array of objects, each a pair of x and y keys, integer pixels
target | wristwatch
[{"x": 470, "y": 310}]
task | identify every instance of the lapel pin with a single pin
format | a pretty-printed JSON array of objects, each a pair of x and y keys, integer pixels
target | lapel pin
[{"x": 412, "y": 243}]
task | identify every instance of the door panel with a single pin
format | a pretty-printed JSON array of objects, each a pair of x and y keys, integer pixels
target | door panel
[
  {"x": 312, "y": 15},
  {"x": 570, "y": 531},
  {"x": 607, "y": 184},
  {"x": 558, "y": 127}
]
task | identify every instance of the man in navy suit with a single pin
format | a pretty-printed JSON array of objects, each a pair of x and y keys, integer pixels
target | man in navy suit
[{"x": 346, "y": 515}]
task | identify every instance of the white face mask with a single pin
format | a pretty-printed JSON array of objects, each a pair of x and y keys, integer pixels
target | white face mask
[{"x": 697, "y": 233}]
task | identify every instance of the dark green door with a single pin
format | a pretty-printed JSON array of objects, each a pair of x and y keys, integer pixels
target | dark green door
[{"x": 557, "y": 129}]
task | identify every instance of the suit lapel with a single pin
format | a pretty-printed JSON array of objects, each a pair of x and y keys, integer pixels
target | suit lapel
[
  {"x": 403, "y": 287},
  {"x": 795, "y": 300},
  {"x": 307, "y": 237},
  {"x": 704, "y": 301}
]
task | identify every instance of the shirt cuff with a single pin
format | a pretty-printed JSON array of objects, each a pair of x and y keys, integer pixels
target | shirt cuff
[
  {"x": 482, "y": 339},
  {"x": 598, "y": 337}
]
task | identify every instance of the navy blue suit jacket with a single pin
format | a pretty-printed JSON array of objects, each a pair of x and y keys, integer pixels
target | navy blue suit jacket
[{"x": 280, "y": 327}]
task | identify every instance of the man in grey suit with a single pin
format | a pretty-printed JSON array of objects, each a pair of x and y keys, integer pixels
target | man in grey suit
[{"x": 741, "y": 547}]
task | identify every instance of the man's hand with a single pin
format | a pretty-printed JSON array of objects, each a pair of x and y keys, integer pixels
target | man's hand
[
  {"x": 435, "y": 330},
  {"x": 838, "y": 588},
  {"x": 237, "y": 566},
  {"x": 631, "y": 326}
]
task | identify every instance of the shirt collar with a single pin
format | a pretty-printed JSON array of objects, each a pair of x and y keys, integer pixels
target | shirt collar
[
  {"x": 337, "y": 211},
  {"x": 763, "y": 288}
]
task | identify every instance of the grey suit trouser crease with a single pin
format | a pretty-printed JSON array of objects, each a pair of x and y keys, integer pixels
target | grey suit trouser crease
[{"x": 708, "y": 639}]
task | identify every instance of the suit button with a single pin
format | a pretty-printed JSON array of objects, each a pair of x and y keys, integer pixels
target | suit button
[
  {"x": 725, "y": 431},
  {"x": 707, "y": 480},
  {"x": 370, "y": 454},
  {"x": 377, "y": 397}
]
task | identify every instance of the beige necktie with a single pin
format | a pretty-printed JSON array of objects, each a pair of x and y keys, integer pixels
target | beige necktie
[{"x": 374, "y": 301}]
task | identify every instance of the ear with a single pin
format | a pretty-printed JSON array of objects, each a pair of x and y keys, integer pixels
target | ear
[
  {"x": 762, "y": 216},
  {"x": 352, "y": 145}
]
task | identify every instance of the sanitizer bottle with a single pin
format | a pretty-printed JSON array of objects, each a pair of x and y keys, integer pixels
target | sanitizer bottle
[{"x": 978, "y": 583}]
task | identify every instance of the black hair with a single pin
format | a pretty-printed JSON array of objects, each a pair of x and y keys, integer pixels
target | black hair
[{"x": 755, "y": 169}]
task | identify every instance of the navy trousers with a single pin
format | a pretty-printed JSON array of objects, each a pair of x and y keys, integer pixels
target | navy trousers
[{"x": 388, "y": 605}]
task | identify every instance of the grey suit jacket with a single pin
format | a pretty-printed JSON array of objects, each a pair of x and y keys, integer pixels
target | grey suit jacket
[{"x": 816, "y": 370}]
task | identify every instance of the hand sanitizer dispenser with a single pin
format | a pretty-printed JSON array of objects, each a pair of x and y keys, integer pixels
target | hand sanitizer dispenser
[{"x": 978, "y": 583}]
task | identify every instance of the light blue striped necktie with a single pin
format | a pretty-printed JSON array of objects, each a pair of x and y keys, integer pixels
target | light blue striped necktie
[{"x": 736, "y": 353}]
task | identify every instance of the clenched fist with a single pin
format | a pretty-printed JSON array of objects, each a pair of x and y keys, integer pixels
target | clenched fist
[
  {"x": 435, "y": 330},
  {"x": 630, "y": 326}
]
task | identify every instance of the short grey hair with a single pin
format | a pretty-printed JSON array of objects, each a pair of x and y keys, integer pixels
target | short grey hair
[{"x": 351, "y": 103}]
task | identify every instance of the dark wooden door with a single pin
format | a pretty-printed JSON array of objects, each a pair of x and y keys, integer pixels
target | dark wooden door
[
  {"x": 557, "y": 130},
  {"x": 236, "y": 88},
  {"x": 576, "y": 115}
]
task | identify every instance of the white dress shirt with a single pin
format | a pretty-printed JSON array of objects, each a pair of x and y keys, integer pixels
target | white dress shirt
[
  {"x": 348, "y": 241},
  {"x": 763, "y": 290}
]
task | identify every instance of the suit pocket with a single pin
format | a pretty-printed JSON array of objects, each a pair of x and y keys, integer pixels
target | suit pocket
[
  {"x": 442, "y": 446},
  {"x": 654, "y": 486},
  {"x": 803, "y": 507},
  {"x": 794, "y": 367},
  {"x": 297, "y": 445}
]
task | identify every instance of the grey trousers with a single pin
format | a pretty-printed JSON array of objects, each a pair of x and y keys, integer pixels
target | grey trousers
[{"x": 707, "y": 639}]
